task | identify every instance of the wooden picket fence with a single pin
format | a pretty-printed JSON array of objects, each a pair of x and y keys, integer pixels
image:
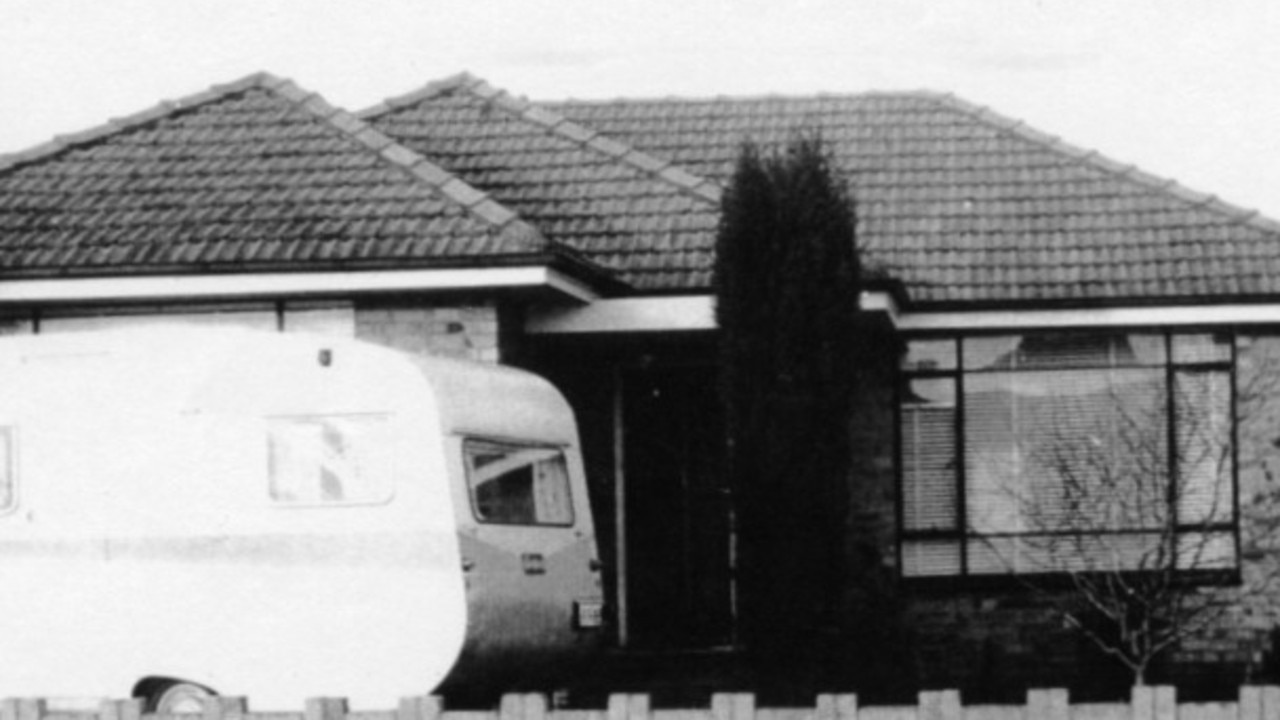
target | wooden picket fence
[{"x": 1146, "y": 703}]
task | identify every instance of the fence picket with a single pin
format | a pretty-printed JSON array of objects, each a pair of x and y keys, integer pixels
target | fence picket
[
  {"x": 733, "y": 706},
  {"x": 1269, "y": 701},
  {"x": 837, "y": 707},
  {"x": 326, "y": 709},
  {"x": 628, "y": 707},
  {"x": 940, "y": 705},
  {"x": 1048, "y": 704},
  {"x": 1153, "y": 703},
  {"x": 419, "y": 707},
  {"x": 31, "y": 708}
]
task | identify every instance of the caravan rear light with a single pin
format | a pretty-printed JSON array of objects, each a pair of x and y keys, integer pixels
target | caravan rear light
[
  {"x": 533, "y": 563},
  {"x": 588, "y": 614}
]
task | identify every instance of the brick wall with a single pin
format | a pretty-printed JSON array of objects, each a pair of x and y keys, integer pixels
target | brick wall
[{"x": 462, "y": 331}]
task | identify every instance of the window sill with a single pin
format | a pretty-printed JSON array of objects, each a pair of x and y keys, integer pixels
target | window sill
[{"x": 1050, "y": 582}]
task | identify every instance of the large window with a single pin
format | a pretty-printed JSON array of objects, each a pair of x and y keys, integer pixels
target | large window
[{"x": 1068, "y": 451}]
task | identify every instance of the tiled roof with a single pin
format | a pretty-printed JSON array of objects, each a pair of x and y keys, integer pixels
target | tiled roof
[
  {"x": 649, "y": 220},
  {"x": 965, "y": 207},
  {"x": 968, "y": 207},
  {"x": 253, "y": 175}
]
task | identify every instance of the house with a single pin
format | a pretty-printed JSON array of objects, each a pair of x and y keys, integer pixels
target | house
[{"x": 576, "y": 238}]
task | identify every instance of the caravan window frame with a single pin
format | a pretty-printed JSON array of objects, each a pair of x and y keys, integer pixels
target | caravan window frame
[
  {"x": 388, "y": 493},
  {"x": 470, "y": 442},
  {"x": 9, "y": 465}
]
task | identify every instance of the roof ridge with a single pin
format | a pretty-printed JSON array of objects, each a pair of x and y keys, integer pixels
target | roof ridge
[
  {"x": 426, "y": 92},
  {"x": 662, "y": 170},
  {"x": 1096, "y": 160},
  {"x": 472, "y": 199},
  {"x": 63, "y": 142}
]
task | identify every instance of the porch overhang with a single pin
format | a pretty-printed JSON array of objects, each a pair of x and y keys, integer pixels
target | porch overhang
[{"x": 677, "y": 313}]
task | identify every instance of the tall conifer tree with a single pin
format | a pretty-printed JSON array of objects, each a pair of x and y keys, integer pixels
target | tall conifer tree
[{"x": 787, "y": 284}]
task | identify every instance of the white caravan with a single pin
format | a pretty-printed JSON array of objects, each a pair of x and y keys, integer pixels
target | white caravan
[{"x": 282, "y": 517}]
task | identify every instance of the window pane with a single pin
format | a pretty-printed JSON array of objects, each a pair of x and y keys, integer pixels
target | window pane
[
  {"x": 929, "y": 454},
  {"x": 1066, "y": 450},
  {"x": 983, "y": 353},
  {"x": 8, "y": 467},
  {"x": 518, "y": 485},
  {"x": 1205, "y": 462},
  {"x": 329, "y": 459},
  {"x": 930, "y": 355},
  {"x": 1080, "y": 552},
  {"x": 923, "y": 558},
  {"x": 1202, "y": 348},
  {"x": 1063, "y": 350},
  {"x": 1206, "y": 551}
]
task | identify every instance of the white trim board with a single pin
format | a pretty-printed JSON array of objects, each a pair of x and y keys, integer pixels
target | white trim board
[
  {"x": 651, "y": 314},
  {"x": 1168, "y": 315},
  {"x": 625, "y": 315},
  {"x": 697, "y": 312},
  {"x": 265, "y": 285}
]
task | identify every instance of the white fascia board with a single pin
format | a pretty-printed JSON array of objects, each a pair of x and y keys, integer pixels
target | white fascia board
[
  {"x": 879, "y": 301},
  {"x": 626, "y": 315},
  {"x": 260, "y": 285},
  {"x": 1167, "y": 315},
  {"x": 652, "y": 314},
  {"x": 697, "y": 312}
]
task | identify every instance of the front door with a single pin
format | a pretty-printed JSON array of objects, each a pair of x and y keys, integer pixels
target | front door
[{"x": 678, "y": 586}]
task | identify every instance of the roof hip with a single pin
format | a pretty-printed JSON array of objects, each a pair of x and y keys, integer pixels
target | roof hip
[{"x": 555, "y": 123}]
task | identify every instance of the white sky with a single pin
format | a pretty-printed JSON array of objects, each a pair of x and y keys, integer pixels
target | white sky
[{"x": 1186, "y": 89}]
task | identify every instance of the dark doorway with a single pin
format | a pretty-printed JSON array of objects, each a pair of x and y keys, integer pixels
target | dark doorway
[{"x": 677, "y": 508}]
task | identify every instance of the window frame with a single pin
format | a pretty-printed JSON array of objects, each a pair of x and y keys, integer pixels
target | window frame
[
  {"x": 472, "y": 500},
  {"x": 961, "y": 534}
]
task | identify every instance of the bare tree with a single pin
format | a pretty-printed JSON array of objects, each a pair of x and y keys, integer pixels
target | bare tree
[{"x": 1117, "y": 515}]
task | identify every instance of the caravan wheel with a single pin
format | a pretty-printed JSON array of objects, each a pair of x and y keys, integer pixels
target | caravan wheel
[{"x": 177, "y": 696}]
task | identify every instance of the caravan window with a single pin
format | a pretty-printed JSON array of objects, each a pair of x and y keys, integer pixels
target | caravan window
[
  {"x": 8, "y": 467},
  {"x": 329, "y": 459},
  {"x": 514, "y": 484}
]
